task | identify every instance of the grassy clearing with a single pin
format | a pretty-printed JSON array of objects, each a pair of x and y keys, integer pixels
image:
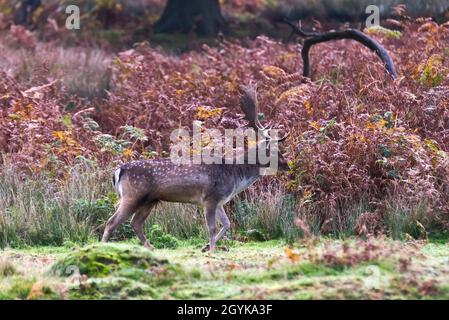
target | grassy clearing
[{"x": 319, "y": 269}]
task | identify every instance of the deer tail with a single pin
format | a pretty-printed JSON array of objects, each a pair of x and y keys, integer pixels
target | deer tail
[{"x": 116, "y": 182}]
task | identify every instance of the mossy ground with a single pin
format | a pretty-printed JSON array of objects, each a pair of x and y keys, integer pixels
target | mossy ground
[{"x": 313, "y": 269}]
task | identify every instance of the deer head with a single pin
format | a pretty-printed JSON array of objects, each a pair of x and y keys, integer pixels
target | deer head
[{"x": 248, "y": 104}]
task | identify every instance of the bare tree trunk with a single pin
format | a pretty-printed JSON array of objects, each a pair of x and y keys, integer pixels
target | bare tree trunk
[
  {"x": 201, "y": 16},
  {"x": 27, "y": 7}
]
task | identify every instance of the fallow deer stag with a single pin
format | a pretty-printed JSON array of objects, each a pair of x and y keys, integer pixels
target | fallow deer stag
[{"x": 142, "y": 184}]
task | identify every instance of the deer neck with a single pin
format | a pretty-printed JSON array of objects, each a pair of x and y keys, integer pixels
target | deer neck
[{"x": 244, "y": 176}]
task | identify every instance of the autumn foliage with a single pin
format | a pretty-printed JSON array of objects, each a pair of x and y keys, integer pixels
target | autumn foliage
[{"x": 357, "y": 136}]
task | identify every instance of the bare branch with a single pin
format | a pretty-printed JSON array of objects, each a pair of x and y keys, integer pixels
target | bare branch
[{"x": 313, "y": 38}]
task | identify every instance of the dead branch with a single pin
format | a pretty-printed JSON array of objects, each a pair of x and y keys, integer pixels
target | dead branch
[{"x": 312, "y": 38}]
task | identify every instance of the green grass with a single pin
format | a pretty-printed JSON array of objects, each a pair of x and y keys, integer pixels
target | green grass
[{"x": 317, "y": 269}]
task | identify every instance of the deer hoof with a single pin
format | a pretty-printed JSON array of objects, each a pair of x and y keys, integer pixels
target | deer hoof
[
  {"x": 148, "y": 246},
  {"x": 205, "y": 248}
]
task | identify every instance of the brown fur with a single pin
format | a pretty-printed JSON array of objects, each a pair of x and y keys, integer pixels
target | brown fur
[{"x": 141, "y": 184}]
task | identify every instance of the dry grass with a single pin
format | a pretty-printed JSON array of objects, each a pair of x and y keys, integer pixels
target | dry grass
[
  {"x": 45, "y": 212},
  {"x": 81, "y": 72}
]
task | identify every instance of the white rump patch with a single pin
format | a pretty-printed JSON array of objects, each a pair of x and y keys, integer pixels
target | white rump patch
[{"x": 118, "y": 185}]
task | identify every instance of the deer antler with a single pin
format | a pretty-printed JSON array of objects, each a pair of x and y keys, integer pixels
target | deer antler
[
  {"x": 248, "y": 104},
  {"x": 313, "y": 38}
]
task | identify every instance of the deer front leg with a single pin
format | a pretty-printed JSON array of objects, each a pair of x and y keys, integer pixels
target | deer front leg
[
  {"x": 224, "y": 221},
  {"x": 226, "y": 226},
  {"x": 210, "y": 209}
]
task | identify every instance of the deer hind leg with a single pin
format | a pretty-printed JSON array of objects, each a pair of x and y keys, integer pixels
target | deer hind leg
[
  {"x": 138, "y": 222},
  {"x": 124, "y": 211},
  {"x": 210, "y": 210}
]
